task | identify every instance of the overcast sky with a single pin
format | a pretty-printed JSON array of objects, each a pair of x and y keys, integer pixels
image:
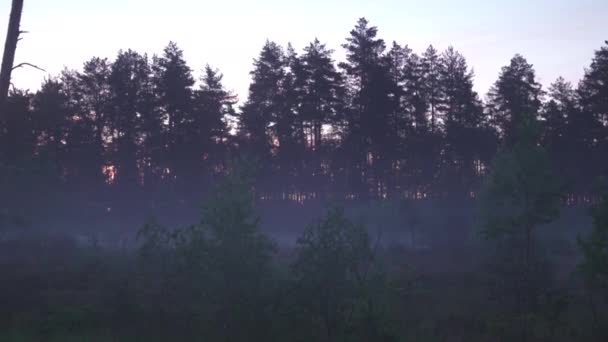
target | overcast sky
[{"x": 557, "y": 36}]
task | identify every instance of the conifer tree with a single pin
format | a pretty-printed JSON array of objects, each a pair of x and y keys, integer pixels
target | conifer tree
[
  {"x": 258, "y": 118},
  {"x": 468, "y": 139},
  {"x": 515, "y": 94},
  {"x": 173, "y": 83}
]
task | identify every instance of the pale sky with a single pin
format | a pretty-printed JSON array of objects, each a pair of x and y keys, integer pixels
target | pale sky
[{"x": 557, "y": 36}]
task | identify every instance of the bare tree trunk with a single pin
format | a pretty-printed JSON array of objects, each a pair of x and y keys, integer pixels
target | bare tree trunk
[{"x": 12, "y": 37}]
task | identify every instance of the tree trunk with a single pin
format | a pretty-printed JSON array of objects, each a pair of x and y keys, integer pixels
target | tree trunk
[{"x": 12, "y": 37}]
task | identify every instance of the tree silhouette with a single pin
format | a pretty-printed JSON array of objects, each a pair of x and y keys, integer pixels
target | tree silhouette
[
  {"x": 88, "y": 103},
  {"x": 214, "y": 107},
  {"x": 173, "y": 83},
  {"x": 10, "y": 47},
  {"x": 469, "y": 140},
  {"x": 263, "y": 106},
  {"x": 593, "y": 92},
  {"x": 323, "y": 93},
  {"x": 516, "y": 93},
  {"x": 385, "y": 123},
  {"x": 131, "y": 101},
  {"x": 369, "y": 134},
  {"x": 431, "y": 73}
]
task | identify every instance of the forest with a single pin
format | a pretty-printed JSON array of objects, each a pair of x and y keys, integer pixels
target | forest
[{"x": 379, "y": 198}]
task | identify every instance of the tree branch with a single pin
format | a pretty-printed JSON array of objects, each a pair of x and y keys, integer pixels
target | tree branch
[
  {"x": 28, "y": 64},
  {"x": 20, "y": 33}
]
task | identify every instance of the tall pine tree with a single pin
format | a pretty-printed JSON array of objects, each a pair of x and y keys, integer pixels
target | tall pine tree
[{"x": 515, "y": 96}]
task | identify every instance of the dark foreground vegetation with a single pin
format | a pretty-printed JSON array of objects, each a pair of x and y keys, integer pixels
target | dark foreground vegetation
[
  {"x": 439, "y": 216},
  {"x": 222, "y": 279}
]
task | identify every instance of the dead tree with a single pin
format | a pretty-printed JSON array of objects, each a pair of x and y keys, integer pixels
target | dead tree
[{"x": 12, "y": 37}]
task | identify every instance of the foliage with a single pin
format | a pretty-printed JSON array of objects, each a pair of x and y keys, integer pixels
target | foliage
[
  {"x": 333, "y": 276},
  {"x": 219, "y": 271},
  {"x": 595, "y": 247},
  {"x": 521, "y": 192}
]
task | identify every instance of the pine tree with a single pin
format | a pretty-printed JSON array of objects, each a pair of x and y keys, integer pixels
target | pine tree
[
  {"x": 50, "y": 114},
  {"x": 323, "y": 92},
  {"x": 593, "y": 89},
  {"x": 320, "y": 89},
  {"x": 173, "y": 83},
  {"x": 515, "y": 94},
  {"x": 130, "y": 81},
  {"x": 258, "y": 118},
  {"x": 468, "y": 139},
  {"x": 289, "y": 126},
  {"x": 369, "y": 136},
  {"x": 593, "y": 93},
  {"x": 90, "y": 99},
  {"x": 213, "y": 112},
  {"x": 400, "y": 119},
  {"x": 422, "y": 165},
  {"x": 556, "y": 112},
  {"x": 431, "y": 72},
  {"x": 565, "y": 135}
]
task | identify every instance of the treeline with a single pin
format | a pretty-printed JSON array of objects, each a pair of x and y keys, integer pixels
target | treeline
[{"x": 385, "y": 123}]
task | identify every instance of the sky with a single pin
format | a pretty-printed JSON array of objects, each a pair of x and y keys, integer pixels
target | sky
[{"x": 558, "y": 37}]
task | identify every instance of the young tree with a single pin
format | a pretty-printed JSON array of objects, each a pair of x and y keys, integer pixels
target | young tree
[
  {"x": 220, "y": 271},
  {"x": 239, "y": 258},
  {"x": 330, "y": 276},
  {"x": 519, "y": 195},
  {"x": 595, "y": 256}
]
